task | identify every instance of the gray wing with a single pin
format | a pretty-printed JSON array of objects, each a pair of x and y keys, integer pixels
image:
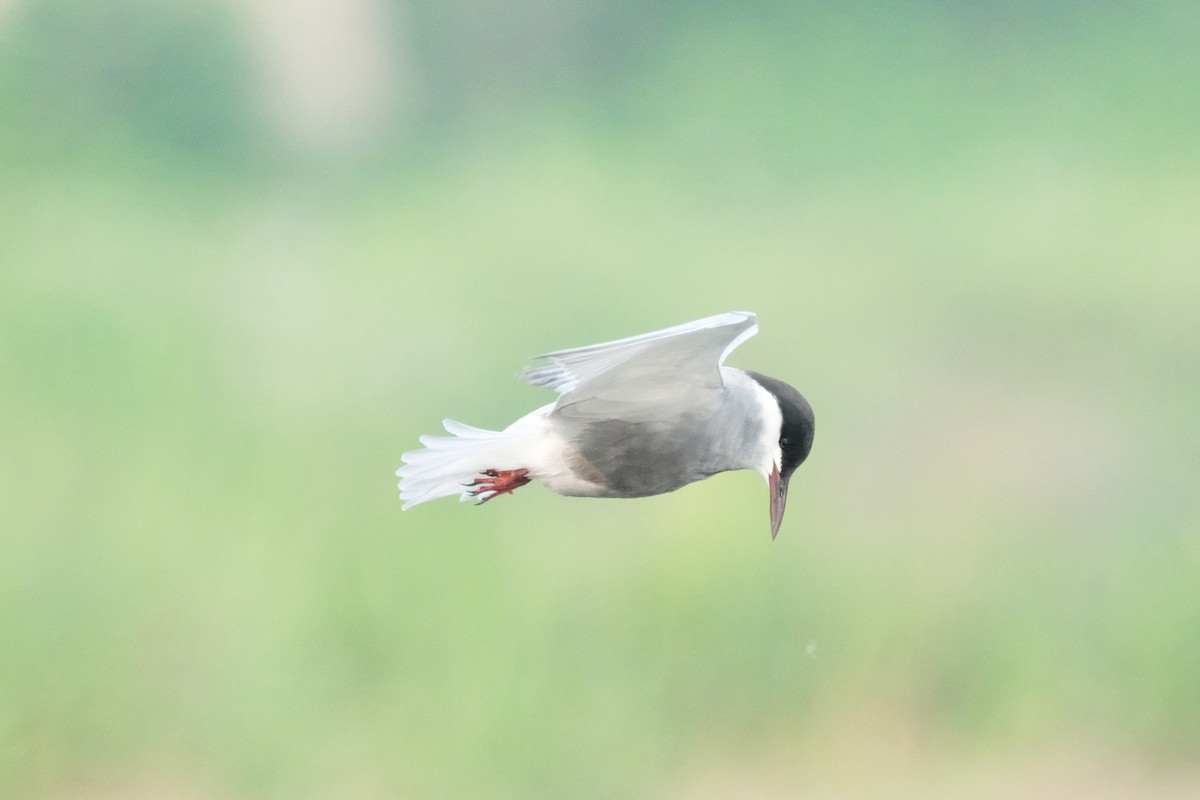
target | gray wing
[{"x": 673, "y": 366}]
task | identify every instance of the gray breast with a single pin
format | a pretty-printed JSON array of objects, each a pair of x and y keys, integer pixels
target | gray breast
[{"x": 640, "y": 449}]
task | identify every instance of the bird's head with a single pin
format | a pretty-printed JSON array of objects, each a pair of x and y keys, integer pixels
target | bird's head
[{"x": 795, "y": 438}]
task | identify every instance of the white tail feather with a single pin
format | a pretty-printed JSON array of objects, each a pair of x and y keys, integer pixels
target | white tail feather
[{"x": 448, "y": 464}]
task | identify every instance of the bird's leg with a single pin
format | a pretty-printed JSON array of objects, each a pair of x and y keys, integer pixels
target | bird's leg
[{"x": 498, "y": 481}]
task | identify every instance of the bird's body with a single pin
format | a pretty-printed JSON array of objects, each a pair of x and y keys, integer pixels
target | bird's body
[{"x": 635, "y": 417}]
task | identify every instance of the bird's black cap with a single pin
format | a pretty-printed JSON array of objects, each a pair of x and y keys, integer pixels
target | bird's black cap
[{"x": 796, "y": 432}]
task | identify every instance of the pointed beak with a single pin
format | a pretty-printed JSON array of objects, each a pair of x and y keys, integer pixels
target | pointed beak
[{"x": 778, "y": 488}]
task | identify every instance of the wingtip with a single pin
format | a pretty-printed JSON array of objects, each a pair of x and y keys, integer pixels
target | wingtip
[{"x": 751, "y": 330}]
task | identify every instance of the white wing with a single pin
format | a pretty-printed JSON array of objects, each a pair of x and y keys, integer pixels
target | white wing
[{"x": 685, "y": 355}]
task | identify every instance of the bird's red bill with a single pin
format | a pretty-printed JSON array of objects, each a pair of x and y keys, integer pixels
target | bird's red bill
[{"x": 778, "y": 487}]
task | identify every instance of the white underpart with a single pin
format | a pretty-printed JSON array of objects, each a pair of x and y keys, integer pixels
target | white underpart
[
  {"x": 448, "y": 464},
  {"x": 768, "y": 454}
]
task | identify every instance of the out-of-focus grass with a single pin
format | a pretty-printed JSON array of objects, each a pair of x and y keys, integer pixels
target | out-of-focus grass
[{"x": 207, "y": 382}]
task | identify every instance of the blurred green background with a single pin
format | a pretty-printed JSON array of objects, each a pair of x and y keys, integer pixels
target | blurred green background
[{"x": 250, "y": 250}]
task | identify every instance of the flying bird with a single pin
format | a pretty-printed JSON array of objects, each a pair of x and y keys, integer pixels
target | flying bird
[{"x": 634, "y": 417}]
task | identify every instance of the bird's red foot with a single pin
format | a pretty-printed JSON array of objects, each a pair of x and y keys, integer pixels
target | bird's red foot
[{"x": 498, "y": 481}]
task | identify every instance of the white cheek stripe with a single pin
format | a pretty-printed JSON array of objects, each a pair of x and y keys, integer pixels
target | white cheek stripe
[{"x": 773, "y": 423}]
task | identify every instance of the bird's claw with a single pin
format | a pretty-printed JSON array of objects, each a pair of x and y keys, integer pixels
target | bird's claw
[{"x": 497, "y": 481}]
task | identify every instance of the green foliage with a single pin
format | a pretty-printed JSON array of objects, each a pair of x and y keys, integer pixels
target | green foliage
[{"x": 81, "y": 76}]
